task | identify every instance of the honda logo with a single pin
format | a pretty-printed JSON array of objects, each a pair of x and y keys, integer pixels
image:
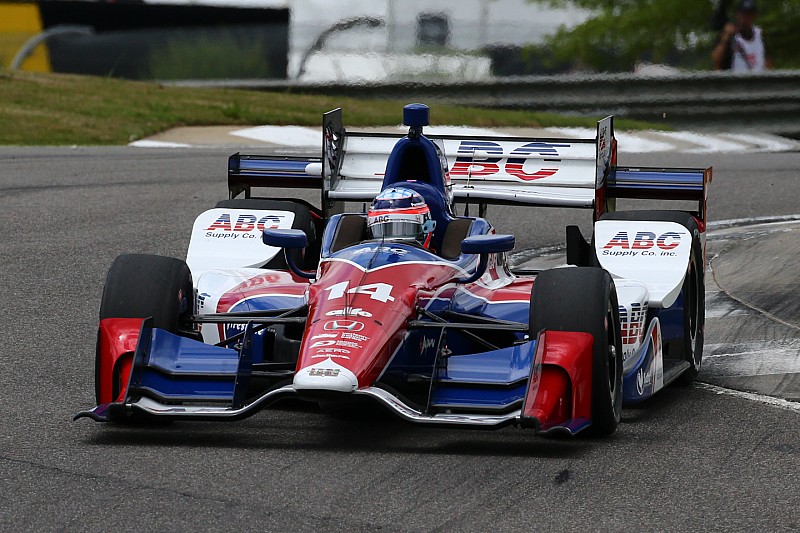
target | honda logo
[{"x": 345, "y": 325}]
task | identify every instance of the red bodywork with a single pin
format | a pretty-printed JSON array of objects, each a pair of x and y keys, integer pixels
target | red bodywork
[
  {"x": 382, "y": 300},
  {"x": 560, "y": 388},
  {"x": 116, "y": 343}
]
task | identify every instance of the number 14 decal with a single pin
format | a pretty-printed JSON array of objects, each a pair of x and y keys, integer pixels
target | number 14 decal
[{"x": 377, "y": 291}]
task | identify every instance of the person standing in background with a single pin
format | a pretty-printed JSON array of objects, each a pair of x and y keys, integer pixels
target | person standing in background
[{"x": 740, "y": 47}]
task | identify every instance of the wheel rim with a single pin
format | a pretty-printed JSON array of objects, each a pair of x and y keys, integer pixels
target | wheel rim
[{"x": 611, "y": 354}]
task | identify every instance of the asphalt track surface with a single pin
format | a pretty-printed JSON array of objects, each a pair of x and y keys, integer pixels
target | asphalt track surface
[{"x": 689, "y": 459}]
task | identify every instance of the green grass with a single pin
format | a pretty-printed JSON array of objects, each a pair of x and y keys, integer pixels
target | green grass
[{"x": 55, "y": 109}]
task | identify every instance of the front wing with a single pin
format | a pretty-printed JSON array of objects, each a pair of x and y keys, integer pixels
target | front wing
[{"x": 171, "y": 377}]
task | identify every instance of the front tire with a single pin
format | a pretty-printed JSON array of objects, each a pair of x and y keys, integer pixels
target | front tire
[
  {"x": 141, "y": 286},
  {"x": 584, "y": 299}
]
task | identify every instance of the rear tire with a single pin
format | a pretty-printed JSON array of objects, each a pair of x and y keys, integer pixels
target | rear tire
[
  {"x": 142, "y": 286},
  {"x": 303, "y": 220},
  {"x": 694, "y": 316},
  {"x": 584, "y": 299}
]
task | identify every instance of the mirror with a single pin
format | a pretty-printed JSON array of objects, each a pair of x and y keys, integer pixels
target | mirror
[
  {"x": 285, "y": 238},
  {"x": 487, "y": 244}
]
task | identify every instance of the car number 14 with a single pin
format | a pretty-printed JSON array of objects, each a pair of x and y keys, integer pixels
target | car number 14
[{"x": 377, "y": 291}]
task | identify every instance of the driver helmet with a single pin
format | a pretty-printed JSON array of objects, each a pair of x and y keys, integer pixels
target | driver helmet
[{"x": 401, "y": 214}]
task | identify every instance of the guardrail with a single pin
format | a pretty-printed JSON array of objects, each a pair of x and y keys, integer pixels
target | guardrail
[{"x": 767, "y": 101}]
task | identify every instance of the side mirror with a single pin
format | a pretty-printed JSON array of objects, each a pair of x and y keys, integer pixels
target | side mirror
[
  {"x": 484, "y": 245},
  {"x": 487, "y": 244},
  {"x": 285, "y": 238},
  {"x": 289, "y": 239}
]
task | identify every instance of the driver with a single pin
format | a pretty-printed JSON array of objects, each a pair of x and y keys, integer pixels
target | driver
[{"x": 400, "y": 214}]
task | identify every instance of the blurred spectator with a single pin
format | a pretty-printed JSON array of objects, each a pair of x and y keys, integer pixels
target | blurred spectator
[{"x": 740, "y": 47}]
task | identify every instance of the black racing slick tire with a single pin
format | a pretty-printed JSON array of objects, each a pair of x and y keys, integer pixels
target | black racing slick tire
[
  {"x": 584, "y": 299},
  {"x": 141, "y": 286},
  {"x": 304, "y": 219},
  {"x": 690, "y": 347}
]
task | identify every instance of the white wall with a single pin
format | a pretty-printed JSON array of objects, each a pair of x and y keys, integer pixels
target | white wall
[{"x": 473, "y": 23}]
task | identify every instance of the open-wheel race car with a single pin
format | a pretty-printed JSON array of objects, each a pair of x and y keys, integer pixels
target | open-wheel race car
[{"x": 407, "y": 303}]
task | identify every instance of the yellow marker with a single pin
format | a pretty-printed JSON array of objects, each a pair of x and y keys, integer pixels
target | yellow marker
[{"x": 18, "y": 23}]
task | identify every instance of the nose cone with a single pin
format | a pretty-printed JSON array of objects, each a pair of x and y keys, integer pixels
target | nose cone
[{"x": 326, "y": 375}]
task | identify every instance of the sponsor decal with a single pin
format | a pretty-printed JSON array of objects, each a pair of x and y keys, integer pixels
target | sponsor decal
[
  {"x": 644, "y": 243},
  {"x": 513, "y": 164},
  {"x": 631, "y": 325},
  {"x": 643, "y": 379},
  {"x": 354, "y": 336},
  {"x": 245, "y": 226},
  {"x": 380, "y": 250},
  {"x": 381, "y": 292},
  {"x": 329, "y": 355},
  {"x": 320, "y": 344},
  {"x": 347, "y": 311},
  {"x": 327, "y": 349},
  {"x": 640, "y": 381},
  {"x": 343, "y": 325},
  {"x": 323, "y": 372},
  {"x": 325, "y": 336},
  {"x": 602, "y": 141},
  {"x": 425, "y": 343},
  {"x": 201, "y": 299},
  {"x": 348, "y": 344},
  {"x": 327, "y": 343}
]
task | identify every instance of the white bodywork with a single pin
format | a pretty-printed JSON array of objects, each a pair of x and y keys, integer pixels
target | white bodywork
[
  {"x": 326, "y": 375},
  {"x": 226, "y": 251},
  {"x": 654, "y": 253},
  {"x": 231, "y": 238}
]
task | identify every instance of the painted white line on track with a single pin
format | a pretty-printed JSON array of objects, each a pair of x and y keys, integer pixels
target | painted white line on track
[
  {"x": 294, "y": 136},
  {"x": 760, "y": 398},
  {"x": 765, "y": 143},
  {"x": 146, "y": 143},
  {"x": 706, "y": 144},
  {"x": 752, "y": 220},
  {"x": 636, "y": 143}
]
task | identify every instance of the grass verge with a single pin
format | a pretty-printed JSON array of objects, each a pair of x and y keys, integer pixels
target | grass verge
[{"x": 57, "y": 109}]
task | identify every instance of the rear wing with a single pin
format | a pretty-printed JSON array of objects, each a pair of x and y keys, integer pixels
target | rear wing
[
  {"x": 482, "y": 170},
  {"x": 661, "y": 184}
]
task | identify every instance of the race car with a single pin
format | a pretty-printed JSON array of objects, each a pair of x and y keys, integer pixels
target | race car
[{"x": 406, "y": 303}]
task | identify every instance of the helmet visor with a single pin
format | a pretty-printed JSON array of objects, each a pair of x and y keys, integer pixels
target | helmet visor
[{"x": 396, "y": 230}]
